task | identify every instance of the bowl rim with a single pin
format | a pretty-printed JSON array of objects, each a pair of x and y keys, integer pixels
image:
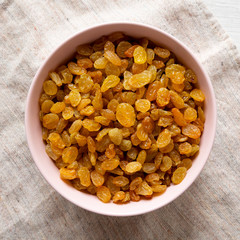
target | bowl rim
[{"x": 28, "y": 114}]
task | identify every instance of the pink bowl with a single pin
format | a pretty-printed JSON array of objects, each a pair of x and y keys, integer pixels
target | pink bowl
[{"x": 34, "y": 132}]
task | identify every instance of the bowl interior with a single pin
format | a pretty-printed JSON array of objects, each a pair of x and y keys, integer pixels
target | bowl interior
[{"x": 34, "y": 132}]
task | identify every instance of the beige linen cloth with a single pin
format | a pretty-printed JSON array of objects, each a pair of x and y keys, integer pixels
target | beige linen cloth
[{"x": 30, "y": 208}]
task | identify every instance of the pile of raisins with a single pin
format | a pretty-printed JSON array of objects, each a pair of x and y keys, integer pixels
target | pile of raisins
[{"x": 123, "y": 119}]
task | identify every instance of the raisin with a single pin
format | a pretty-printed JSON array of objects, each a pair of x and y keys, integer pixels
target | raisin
[
  {"x": 120, "y": 181},
  {"x": 128, "y": 97},
  {"x": 67, "y": 173},
  {"x": 190, "y": 76},
  {"x": 176, "y": 73},
  {"x": 115, "y": 135},
  {"x": 191, "y": 131},
  {"x": 85, "y": 50},
  {"x": 125, "y": 114},
  {"x": 112, "y": 57},
  {"x": 164, "y": 138},
  {"x": 85, "y": 63},
  {"x": 100, "y": 63},
  {"x": 149, "y": 168},
  {"x": 178, "y": 175},
  {"x": 56, "y": 78},
  {"x": 56, "y": 140},
  {"x": 178, "y": 117},
  {"x": 140, "y": 55},
  {"x": 118, "y": 196},
  {"x": 97, "y": 178},
  {"x": 190, "y": 114},
  {"x": 197, "y": 95},
  {"x": 148, "y": 124},
  {"x": 50, "y": 120},
  {"x": 47, "y": 105},
  {"x": 85, "y": 83},
  {"x": 130, "y": 51},
  {"x": 159, "y": 188},
  {"x": 50, "y": 87},
  {"x": 122, "y": 47},
  {"x": 141, "y": 134},
  {"x": 138, "y": 68},
  {"x": 165, "y": 121},
  {"x": 75, "y": 69},
  {"x": 176, "y": 99},
  {"x": 163, "y": 97},
  {"x": 162, "y": 52},
  {"x": 144, "y": 189},
  {"x": 87, "y": 111},
  {"x": 91, "y": 144},
  {"x": 125, "y": 145},
  {"x": 133, "y": 167},
  {"x": 152, "y": 90},
  {"x": 110, "y": 164},
  {"x": 150, "y": 55},
  {"x": 166, "y": 164},
  {"x": 140, "y": 80},
  {"x": 142, "y": 105},
  {"x": 91, "y": 125},
  {"x": 109, "y": 82},
  {"x": 57, "y": 107},
  {"x": 69, "y": 154},
  {"x": 112, "y": 105},
  {"x": 103, "y": 193}
]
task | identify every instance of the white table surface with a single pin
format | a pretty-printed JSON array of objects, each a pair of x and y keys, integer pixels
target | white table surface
[{"x": 227, "y": 12}]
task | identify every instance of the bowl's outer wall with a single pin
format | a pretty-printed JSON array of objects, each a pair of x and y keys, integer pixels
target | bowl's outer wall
[{"x": 34, "y": 132}]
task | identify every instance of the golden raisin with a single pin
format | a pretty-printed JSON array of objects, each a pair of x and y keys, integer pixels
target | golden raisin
[
  {"x": 120, "y": 181},
  {"x": 164, "y": 138},
  {"x": 178, "y": 117},
  {"x": 97, "y": 178},
  {"x": 50, "y": 120},
  {"x": 186, "y": 162},
  {"x": 69, "y": 154},
  {"x": 115, "y": 135},
  {"x": 178, "y": 175},
  {"x": 125, "y": 114},
  {"x": 142, "y": 105},
  {"x": 140, "y": 80},
  {"x": 110, "y": 164},
  {"x": 91, "y": 125},
  {"x": 50, "y": 87},
  {"x": 176, "y": 73},
  {"x": 191, "y": 131},
  {"x": 163, "y": 97},
  {"x": 109, "y": 82},
  {"x": 140, "y": 55},
  {"x": 197, "y": 95},
  {"x": 67, "y": 173},
  {"x": 118, "y": 196},
  {"x": 75, "y": 98},
  {"x": 47, "y": 105},
  {"x": 112, "y": 57},
  {"x": 133, "y": 167},
  {"x": 85, "y": 83},
  {"x": 176, "y": 99},
  {"x": 122, "y": 47},
  {"x": 103, "y": 193},
  {"x": 162, "y": 52},
  {"x": 57, "y": 107}
]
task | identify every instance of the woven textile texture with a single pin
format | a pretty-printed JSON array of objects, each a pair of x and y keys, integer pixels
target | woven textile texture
[{"x": 30, "y": 208}]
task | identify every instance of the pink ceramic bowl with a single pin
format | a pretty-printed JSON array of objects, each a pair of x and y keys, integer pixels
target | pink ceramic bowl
[{"x": 34, "y": 132}]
